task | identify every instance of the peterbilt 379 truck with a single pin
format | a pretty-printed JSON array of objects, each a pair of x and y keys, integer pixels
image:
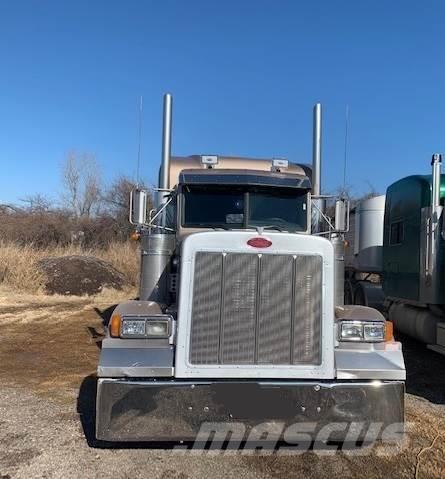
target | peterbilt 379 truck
[
  {"x": 398, "y": 241},
  {"x": 240, "y": 318}
]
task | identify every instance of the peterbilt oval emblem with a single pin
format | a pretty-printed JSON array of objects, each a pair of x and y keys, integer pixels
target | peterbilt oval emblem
[{"x": 259, "y": 242}]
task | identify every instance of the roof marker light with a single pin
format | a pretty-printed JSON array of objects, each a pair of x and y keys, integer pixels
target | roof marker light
[
  {"x": 280, "y": 163},
  {"x": 209, "y": 159}
]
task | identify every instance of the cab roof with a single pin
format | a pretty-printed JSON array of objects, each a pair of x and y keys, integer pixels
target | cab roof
[
  {"x": 238, "y": 170},
  {"x": 243, "y": 177}
]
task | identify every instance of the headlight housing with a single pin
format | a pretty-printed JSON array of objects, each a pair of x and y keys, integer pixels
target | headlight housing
[
  {"x": 134, "y": 328},
  {"x": 150, "y": 327},
  {"x": 361, "y": 331},
  {"x": 158, "y": 328}
]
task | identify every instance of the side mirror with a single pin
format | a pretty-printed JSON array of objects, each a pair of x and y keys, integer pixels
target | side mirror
[
  {"x": 138, "y": 207},
  {"x": 342, "y": 215}
]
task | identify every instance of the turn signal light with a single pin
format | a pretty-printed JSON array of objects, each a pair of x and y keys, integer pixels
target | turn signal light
[
  {"x": 135, "y": 236},
  {"x": 115, "y": 325},
  {"x": 259, "y": 243},
  {"x": 389, "y": 331}
]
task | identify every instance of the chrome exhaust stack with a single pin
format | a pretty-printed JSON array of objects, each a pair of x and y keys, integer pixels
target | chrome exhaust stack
[
  {"x": 436, "y": 163},
  {"x": 318, "y": 205},
  {"x": 158, "y": 245},
  {"x": 316, "y": 150},
  {"x": 436, "y": 208},
  {"x": 433, "y": 231},
  {"x": 432, "y": 234},
  {"x": 318, "y": 209},
  {"x": 164, "y": 172}
]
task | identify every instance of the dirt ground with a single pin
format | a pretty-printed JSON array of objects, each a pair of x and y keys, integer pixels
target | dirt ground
[{"x": 48, "y": 353}]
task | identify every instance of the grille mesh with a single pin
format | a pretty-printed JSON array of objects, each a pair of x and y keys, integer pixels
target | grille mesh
[
  {"x": 275, "y": 310},
  {"x": 307, "y": 304},
  {"x": 239, "y": 311},
  {"x": 256, "y": 309},
  {"x": 206, "y": 308}
]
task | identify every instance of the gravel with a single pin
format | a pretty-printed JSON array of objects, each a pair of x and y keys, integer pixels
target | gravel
[
  {"x": 41, "y": 438},
  {"x": 47, "y": 391}
]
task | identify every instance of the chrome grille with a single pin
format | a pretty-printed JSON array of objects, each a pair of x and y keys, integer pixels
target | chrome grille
[
  {"x": 306, "y": 346},
  {"x": 256, "y": 309},
  {"x": 275, "y": 310},
  {"x": 238, "y": 306}
]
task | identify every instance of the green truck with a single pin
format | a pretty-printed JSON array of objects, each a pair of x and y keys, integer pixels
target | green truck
[{"x": 395, "y": 258}]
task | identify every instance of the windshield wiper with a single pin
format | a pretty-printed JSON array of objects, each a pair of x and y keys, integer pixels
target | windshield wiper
[
  {"x": 205, "y": 225},
  {"x": 274, "y": 227},
  {"x": 269, "y": 227},
  {"x": 215, "y": 227}
]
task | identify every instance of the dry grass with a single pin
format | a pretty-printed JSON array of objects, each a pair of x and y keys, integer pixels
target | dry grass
[
  {"x": 19, "y": 271},
  {"x": 18, "y": 267},
  {"x": 125, "y": 257}
]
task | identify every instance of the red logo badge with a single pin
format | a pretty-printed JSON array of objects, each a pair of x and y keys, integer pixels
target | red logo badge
[{"x": 259, "y": 243}]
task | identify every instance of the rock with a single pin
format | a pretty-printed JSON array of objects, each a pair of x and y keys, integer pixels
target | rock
[{"x": 79, "y": 275}]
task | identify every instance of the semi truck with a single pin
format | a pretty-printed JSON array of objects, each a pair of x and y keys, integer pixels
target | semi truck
[
  {"x": 395, "y": 258},
  {"x": 240, "y": 327}
]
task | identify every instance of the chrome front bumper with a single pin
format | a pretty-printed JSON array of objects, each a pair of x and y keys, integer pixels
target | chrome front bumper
[{"x": 133, "y": 410}]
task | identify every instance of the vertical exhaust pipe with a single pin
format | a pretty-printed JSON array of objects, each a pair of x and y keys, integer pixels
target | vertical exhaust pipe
[
  {"x": 157, "y": 247},
  {"x": 436, "y": 163},
  {"x": 317, "y": 204},
  {"x": 164, "y": 173},
  {"x": 436, "y": 213},
  {"x": 432, "y": 222},
  {"x": 316, "y": 150},
  {"x": 319, "y": 207}
]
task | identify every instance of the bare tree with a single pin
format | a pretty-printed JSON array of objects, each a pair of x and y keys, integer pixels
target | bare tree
[
  {"x": 116, "y": 201},
  {"x": 37, "y": 203},
  {"x": 82, "y": 185},
  {"x": 118, "y": 193},
  {"x": 347, "y": 192},
  {"x": 371, "y": 192}
]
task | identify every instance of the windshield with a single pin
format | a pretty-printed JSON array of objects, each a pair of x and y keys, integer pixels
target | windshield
[{"x": 283, "y": 209}]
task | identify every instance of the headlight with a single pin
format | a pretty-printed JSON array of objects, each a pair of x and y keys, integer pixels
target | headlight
[
  {"x": 351, "y": 332},
  {"x": 158, "y": 329},
  {"x": 374, "y": 332},
  {"x": 133, "y": 328},
  {"x": 158, "y": 326},
  {"x": 361, "y": 331}
]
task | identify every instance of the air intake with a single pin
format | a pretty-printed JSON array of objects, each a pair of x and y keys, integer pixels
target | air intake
[{"x": 256, "y": 309}]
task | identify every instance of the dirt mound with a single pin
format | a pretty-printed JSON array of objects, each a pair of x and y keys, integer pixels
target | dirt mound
[{"x": 79, "y": 275}]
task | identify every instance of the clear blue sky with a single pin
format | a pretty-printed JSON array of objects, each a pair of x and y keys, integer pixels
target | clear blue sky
[{"x": 244, "y": 75}]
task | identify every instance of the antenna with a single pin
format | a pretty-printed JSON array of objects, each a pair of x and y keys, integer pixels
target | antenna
[
  {"x": 345, "y": 149},
  {"x": 139, "y": 143}
]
